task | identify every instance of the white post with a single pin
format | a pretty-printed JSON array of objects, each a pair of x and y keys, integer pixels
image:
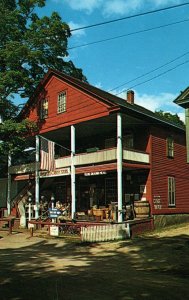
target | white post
[
  {"x": 37, "y": 178},
  {"x": 119, "y": 166},
  {"x": 73, "y": 207},
  {"x": 9, "y": 187},
  {"x": 29, "y": 211}
]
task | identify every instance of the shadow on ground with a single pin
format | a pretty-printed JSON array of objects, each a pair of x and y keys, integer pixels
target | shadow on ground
[{"x": 142, "y": 268}]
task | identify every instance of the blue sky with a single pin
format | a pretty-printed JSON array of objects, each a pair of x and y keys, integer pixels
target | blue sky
[{"x": 110, "y": 64}]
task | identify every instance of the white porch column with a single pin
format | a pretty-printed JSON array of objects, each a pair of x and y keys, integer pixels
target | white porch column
[
  {"x": 9, "y": 187},
  {"x": 73, "y": 207},
  {"x": 119, "y": 166},
  {"x": 187, "y": 132},
  {"x": 37, "y": 177}
]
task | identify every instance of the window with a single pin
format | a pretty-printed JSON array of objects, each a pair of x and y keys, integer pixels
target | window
[
  {"x": 171, "y": 191},
  {"x": 110, "y": 190},
  {"x": 44, "y": 109},
  {"x": 128, "y": 141},
  {"x": 61, "y": 107},
  {"x": 170, "y": 147}
]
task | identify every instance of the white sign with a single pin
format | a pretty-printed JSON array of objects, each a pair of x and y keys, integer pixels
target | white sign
[
  {"x": 54, "y": 230},
  {"x": 58, "y": 172},
  {"x": 95, "y": 173}
]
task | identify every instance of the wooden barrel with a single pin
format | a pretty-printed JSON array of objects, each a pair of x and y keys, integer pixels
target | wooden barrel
[{"x": 142, "y": 209}]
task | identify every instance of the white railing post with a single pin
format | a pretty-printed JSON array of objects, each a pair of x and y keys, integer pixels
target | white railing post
[{"x": 9, "y": 186}]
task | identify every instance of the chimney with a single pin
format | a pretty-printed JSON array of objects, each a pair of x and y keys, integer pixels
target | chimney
[{"x": 130, "y": 97}]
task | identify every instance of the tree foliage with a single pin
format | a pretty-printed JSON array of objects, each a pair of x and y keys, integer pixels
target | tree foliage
[
  {"x": 29, "y": 45},
  {"x": 173, "y": 118}
]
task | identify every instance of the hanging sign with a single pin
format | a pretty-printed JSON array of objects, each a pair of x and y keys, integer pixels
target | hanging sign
[
  {"x": 95, "y": 173},
  {"x": 55, "y": 173},
  {"x": 54, "y": 212}
]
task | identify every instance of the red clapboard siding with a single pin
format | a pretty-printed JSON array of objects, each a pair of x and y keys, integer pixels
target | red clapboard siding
[
  {"x": 80, "y": 106},
  {"x": 162, "y": 167}
]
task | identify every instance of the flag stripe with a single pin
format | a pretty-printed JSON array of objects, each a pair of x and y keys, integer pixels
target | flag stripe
[{"x": 47, "y": 155}]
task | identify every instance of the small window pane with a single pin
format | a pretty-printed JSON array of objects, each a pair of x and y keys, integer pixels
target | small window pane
[
  {"x": 44, "y": 109},
  {"x": 61, "y": 102},
  {"x": 171, "y": 191},
  {"x": 170, "y": 147},
  {"x": 128, "y": 141}
]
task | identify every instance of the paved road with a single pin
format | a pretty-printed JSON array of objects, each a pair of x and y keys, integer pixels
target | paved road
[{"x": 150, "y": 267}]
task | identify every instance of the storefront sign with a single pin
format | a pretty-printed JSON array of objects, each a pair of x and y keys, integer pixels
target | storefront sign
[
  {"x": 157, "y": 202},
  {"x": 95, "y": 173},
  {"x": 58, "y": 172}
]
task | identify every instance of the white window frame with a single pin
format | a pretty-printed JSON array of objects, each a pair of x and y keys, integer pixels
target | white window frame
[
  {"x": 171, "y": 191},
  {"x": 170, "y": 147},
  {"x": 61, "y": 102},
  {"x": 44, "y": 108}
]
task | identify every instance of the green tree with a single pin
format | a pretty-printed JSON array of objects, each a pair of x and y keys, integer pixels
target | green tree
[
  {"x": 173, "y": 118},
  {"x": 29, "y": 45}
]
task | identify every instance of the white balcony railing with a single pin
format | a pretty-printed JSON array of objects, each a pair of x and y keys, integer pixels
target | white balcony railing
[
  {"x": 100, "y": 156},
  {"x": 134, "y": 156},
  {"x": 103, "y": 156}
]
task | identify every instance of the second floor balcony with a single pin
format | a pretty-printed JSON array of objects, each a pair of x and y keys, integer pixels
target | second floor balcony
[
  {"x": 83, "y": 159},
  {"x": 103, "y": 156}
]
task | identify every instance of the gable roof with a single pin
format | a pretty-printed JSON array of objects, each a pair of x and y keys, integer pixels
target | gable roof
[
  {"x": 110, "y": 99},
  {"x": 183, "y": 98}
]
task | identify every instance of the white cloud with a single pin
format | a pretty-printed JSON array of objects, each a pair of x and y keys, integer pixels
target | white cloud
[
  {"x": 80, "y": 32},
  {"x": 121, "y": 6},
  {"x": 164, "y": 2},
  {"x": 116, "y": 7},
  {"x": 163, "y": 101},
  {"x": 182, "y": 116},
  {"x": 86, "y": 5}
]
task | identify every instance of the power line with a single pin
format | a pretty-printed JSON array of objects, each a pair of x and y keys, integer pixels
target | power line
[
  {"x": 127, "y": 34},
  {"x": 169, "y": 70},
  {"x": 149, "y": 72},
  {"x": 132, "y": 16}
]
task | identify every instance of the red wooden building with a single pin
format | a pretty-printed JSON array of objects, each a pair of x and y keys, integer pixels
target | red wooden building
[{"x": 111, "y": 154}]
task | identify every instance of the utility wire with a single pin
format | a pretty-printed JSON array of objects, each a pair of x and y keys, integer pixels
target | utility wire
[
  {"x": 169, "y": 70},
  {"x": 132, "y": 16},
  {"x": 127, "y": 34},
  {"x": 169, "y": 62}
]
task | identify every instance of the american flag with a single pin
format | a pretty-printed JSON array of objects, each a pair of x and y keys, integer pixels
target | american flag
[{"x": 47, "y": 155}]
